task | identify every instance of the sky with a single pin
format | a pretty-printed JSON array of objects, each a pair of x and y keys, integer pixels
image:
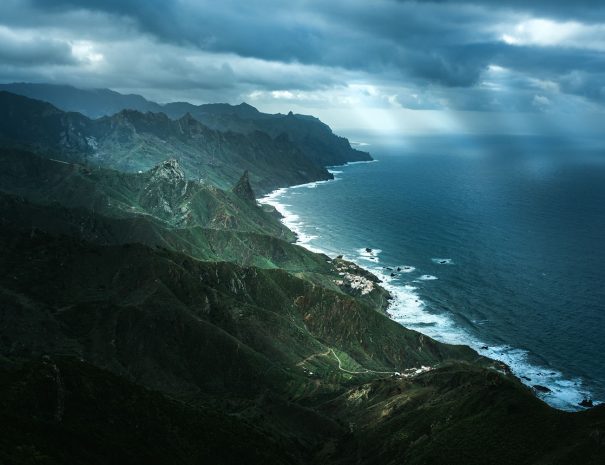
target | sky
[{"x": 392, "y": 66}]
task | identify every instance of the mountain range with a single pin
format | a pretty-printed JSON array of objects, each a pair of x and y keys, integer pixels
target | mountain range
[
  {"x": 153, "y": 312},
  {"x": 314, "y": 138}
]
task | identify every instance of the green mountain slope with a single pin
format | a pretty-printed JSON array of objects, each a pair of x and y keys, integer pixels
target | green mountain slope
[
  {"x": 269, "y": 347},
  {"x": 461, "y": 414},
  {"x": 148, "y": 317},
  {"x": 161, "y": 208},
  {"x": 64, "y": 411},
  {"x": 309, "y": 134},
  {"x": 132, "y": 141},
  {"x": 162, "y": 193},
  {"x": 313, "y": 137},
  {"x": 243, "y": 248},
  {"x": 271, "y": 311}
]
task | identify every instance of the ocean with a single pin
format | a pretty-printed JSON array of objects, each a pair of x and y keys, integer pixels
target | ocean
[{"x": 495, "y": 242}]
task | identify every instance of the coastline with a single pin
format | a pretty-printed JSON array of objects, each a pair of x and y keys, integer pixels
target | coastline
[{"x": 407, "y": 308}]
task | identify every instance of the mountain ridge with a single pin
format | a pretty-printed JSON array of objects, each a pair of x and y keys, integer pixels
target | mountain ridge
[
  {"x": 132, "y": 141},
  {"x": 150, "y": 316},
  {"x": 312, "y": 136}
]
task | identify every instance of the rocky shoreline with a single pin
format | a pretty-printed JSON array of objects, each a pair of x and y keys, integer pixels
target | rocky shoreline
[{"x": 356, "y": 280}]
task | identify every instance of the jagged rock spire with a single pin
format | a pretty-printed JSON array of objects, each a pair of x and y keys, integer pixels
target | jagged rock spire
[{"x": 243, "y": 189}]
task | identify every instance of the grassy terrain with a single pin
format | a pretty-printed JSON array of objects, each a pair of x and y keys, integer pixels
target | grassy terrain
[
  {"x": 312, "y": 369},
  {"x": 147, "y": 317}
]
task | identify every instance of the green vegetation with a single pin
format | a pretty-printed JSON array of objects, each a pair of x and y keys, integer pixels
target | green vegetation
[
  {"x": 147, "y": 317},
  {"x": 314, "y": 138},
  {"x": 131, "y": 141}
]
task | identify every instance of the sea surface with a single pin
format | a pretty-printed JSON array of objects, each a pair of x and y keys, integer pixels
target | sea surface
[{"x": 500, "y": 241}]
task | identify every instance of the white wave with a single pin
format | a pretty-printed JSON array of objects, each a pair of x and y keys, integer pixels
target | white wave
[
  {"x": 291, "y": 220},
  {"x": 359, "y": 162},
  {"x": 405, "y": 269},
  {"x": 427, "y": 277},
  {"x": 442, "y": 261},
  {"x": 410, "y": 311},
  {"x": 369, "y": 254},
  {"x": 565, "y": 393},
  {"x": 313, "y": 185}
]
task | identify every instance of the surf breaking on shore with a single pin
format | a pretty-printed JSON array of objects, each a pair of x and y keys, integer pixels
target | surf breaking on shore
[{"x": 410, "y": 311}]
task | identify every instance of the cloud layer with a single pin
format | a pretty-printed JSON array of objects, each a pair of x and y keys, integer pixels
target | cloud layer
[{"x": 386, "y": 54}]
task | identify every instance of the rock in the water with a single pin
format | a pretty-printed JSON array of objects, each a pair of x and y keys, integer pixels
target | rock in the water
[
  {"x": 398, "y": 268},
  {"x": 586, "y": 403},
  {"x": 243, "y": 189},
  {"x": 368, "y": 250},
  {"x": 541, "y": 388}
]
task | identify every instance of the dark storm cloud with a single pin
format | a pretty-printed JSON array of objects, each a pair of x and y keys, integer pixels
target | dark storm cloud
[
  {"x": 585, "y": 10},
  {"x": 33, "y": 51},
  {"x": 353, "y": 34},
  {"x": 444, "y": 43},
  {"x": 262, "y": 29}
]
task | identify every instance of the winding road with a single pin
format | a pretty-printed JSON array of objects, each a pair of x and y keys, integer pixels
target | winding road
[{"x": 327, "y": 352}]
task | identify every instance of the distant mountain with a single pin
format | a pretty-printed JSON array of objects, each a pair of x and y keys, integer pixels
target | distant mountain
[
  {"x": 93, "y": 103},
  {"x": 314, "y": 138},
  {"x": 133, "y": 141}
]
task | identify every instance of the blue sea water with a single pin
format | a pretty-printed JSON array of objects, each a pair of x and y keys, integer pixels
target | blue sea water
[{"x": 500, "y": 241}]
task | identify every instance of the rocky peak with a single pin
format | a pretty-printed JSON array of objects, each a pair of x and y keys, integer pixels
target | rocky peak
[
  {"x": 169, "y": 171},
  {"x": 243, "y": 189},
  {"x": 187, "y": 118},
  {"x": 165, "y": 194}
]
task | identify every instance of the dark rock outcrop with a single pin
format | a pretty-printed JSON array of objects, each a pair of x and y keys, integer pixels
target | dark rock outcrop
[{"x": 243, "y": 189}]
